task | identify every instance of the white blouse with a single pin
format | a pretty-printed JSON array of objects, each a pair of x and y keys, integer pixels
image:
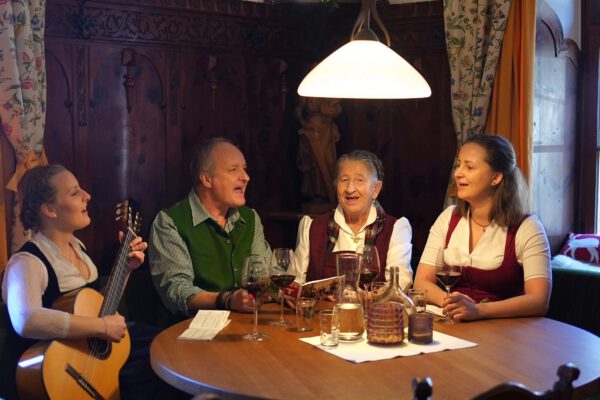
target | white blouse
[
  {"x": 399, "y": 250},
  {"x": 26, "y": 280},
  {"x": 531, "y": 246}
]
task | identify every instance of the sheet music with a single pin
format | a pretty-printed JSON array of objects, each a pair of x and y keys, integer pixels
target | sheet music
[{"x": 206, "y": 325}]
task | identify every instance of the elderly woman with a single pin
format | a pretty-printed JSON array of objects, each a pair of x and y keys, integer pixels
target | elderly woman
[
  {"x": 503, "y": 250},
  {"x": 358, "y": 220}
]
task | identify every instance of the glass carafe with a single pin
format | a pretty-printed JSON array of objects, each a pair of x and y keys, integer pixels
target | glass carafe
[
  {"x": 395, "y": 294},
  {"x": 348, "y": 304}
]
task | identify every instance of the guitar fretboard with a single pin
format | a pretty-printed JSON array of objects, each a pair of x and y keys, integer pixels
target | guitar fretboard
[{"x": 116, "y": 283}]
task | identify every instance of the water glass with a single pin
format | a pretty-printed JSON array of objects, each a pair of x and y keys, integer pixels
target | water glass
[
  {"x": 305, "y": 309},
  {"x": 330, "y": 328}
]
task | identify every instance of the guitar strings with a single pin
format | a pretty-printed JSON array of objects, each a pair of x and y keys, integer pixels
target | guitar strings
[{"x": 109, "y": 305}]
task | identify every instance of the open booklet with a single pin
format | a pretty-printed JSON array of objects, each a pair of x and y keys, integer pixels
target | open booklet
[{"x": 316, "y": 289}]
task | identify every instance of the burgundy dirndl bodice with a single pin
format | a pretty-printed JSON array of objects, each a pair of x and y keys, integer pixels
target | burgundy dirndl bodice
[{"x": 501, "y": 283}]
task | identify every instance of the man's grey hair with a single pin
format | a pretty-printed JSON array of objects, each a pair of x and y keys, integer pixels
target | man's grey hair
[{"x": 202, "y": 161}]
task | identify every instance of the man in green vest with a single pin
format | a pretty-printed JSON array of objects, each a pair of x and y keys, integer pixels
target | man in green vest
[{"x": 197, "y": 246}]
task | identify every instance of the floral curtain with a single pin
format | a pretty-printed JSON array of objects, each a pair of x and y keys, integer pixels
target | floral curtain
[
  {"x": 511, "y": 110},
  {"x": 22, "y": 89},
  {"x": 474, "y": 32}
]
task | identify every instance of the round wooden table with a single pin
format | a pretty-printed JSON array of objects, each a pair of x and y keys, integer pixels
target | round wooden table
[{"x": 524, "y": 350}]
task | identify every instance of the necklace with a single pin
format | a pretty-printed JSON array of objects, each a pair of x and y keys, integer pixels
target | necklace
[{"x": 484, "y": 227}]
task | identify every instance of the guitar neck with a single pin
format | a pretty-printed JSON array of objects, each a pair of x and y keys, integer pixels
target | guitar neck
[{"x": 118, "y": 275}]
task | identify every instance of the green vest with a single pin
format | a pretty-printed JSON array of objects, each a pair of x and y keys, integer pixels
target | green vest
[{"x": 217, "y": 256}]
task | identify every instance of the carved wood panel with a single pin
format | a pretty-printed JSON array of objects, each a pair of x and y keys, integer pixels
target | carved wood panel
[{"x": 149, "y": 79}]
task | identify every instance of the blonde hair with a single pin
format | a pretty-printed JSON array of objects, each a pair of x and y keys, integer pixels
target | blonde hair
[{"x": 36, "y": 189}]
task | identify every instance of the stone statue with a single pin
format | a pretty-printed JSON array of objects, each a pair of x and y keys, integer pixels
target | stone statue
[{"x": 316, "y": 150}]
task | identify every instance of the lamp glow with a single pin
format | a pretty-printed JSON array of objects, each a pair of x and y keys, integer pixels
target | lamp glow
[{"x": 364, "y": 69}]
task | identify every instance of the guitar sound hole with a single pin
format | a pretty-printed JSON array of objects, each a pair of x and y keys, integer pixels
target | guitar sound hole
[{"x": 100, "y": 348}]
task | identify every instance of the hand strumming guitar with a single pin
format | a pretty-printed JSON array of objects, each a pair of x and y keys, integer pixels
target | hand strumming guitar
[{"x": 114, "y": 328}]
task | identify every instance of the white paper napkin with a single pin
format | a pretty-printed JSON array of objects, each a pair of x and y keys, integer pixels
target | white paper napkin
[
  {"x": 435, "y": 310},
  {"x": 363, "y": 351},
  {"x": 206, "y": 325}
]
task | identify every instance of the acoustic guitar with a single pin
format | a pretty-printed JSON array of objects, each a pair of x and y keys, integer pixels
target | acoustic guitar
[{"x": 85, "y": 368}]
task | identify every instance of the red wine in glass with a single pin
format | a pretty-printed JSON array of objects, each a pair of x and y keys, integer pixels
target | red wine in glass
[
  {"x": 447, "y": 275},
  {"x": 448, "y": 278},
  {"x": 367, "y": 277},
  {"x": 255, "y": 280},
  {"x": 282, "y": 281},
  {"x": 282, "y": 275},
  {"x": 255, "y": 289}
]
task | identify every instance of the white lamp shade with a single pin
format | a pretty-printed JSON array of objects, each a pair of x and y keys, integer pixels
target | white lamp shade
[{"x": 364, "y": 69}]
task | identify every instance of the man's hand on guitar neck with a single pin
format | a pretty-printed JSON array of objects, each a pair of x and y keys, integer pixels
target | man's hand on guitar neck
[{"x": 114, "y": 328}]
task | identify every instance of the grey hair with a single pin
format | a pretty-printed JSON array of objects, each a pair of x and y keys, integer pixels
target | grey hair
[
  {"x": 364, "y": 156},
  {"x": 201, "y": 160}
]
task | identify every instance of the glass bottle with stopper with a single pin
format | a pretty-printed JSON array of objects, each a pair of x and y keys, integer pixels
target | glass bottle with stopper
[{"x": 394, "y": 294}]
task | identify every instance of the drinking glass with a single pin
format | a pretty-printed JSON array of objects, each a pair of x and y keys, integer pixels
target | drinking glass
[
  {"x": 369, "y": 270},
  {"x": 281, "y": 276},
  {"x": 255, "y": 279},
  {"x": 447, "y": 275}
]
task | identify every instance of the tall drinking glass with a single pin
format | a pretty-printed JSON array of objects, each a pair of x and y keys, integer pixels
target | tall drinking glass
[
  {"x": 255, "y": 279},
  {"x": 282, "y": 275}
]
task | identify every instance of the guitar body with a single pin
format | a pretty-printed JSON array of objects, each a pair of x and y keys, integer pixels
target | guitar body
[{"x": 73, "y": 368}]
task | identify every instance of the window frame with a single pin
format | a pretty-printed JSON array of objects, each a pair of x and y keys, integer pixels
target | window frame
[{"x": 589, "y": 150}]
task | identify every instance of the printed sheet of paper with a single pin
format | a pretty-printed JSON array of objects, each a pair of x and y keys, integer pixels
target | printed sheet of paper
[{"x": 206, "y": 325}]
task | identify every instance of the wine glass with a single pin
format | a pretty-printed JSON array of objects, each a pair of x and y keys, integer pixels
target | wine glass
[
  {"x": 281, "y": 276},
  {"x": 255, "y": 279},
  {"x": 369, "y": 269},
  {"x": 447, "y": 275}
]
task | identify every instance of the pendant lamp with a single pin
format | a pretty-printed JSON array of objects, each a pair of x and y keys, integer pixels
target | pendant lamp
[{"x": 365, "y": 68}]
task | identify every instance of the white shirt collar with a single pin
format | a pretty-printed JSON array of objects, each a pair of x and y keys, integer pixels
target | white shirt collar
[
  {"x": 42, "y": 239},
  {"x": 338, "y": 217}
]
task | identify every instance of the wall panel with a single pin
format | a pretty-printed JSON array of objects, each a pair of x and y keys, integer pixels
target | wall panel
[{"x": 196, "y": 69}]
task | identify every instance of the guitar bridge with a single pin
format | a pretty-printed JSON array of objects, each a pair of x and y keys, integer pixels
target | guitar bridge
[{"x": 83, "y": 383}]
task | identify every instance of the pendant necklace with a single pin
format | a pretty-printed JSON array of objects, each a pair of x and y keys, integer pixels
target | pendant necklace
[{"x": 484, "y": 227}]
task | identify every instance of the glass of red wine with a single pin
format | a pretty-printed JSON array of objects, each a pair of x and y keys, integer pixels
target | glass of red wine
[
  {"x": 447, "y": 275},
  {"x": 282, "y": 275},
  {"x": 369, "y": 270},
  {"x": 255, "y": 279}
]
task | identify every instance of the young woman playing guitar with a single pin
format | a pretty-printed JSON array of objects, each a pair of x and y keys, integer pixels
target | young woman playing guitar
[{"x": 53, "y": 263}]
